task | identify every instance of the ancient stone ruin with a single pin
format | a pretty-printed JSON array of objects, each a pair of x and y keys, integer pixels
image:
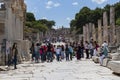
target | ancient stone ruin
[
  {"x": 105, "y": 32},
  {"x": 109, "y": 33},
  {"x": 12, "y": 19}
]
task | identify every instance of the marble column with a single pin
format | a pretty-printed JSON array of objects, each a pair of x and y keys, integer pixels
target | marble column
[
  {"x": 90, "y": 30},
  {"x": 87, "y": 32},
  {"x": 105, "y": 27},
  {"x": 94, "y": 32},
  {"x": 8, "y": 25},
  {"x": 112, "y": 26},
  {"x": 100, "y": 37},
  {"x": 84, "y": 33}
]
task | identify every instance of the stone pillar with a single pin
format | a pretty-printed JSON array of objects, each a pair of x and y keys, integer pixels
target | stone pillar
[
  {"x": 90, "y": 30},
  {"x": 38, "y": 36},
  {"x": 94, "y": 32},
  {"x": 87, "y": 32},
  {"x": 8, "y": 25},
  {"x": 100, "y": 37},
  {"x": 84, "y": 33},
  {"x": 13, "y": 25},
  {"x": 105, "y": 27},
  {"x": 112, "y": 26}
]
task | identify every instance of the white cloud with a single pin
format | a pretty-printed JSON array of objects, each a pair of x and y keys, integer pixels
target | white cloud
[
  {"x": 56, "y": 4},
  {"x": 68, "y": 19},
  {"x": 51, "y": 4},
  {"x": 75, "y": 3},
  {"x": 99, "y": 1}
]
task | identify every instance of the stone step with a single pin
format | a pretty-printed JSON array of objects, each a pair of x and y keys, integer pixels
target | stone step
[{"x": 115, "y": 66}]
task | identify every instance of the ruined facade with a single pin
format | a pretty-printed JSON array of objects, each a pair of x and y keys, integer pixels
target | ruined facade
[{"x": 12, "y": 19}]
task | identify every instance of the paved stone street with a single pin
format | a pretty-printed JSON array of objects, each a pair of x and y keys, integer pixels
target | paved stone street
[{"x": 72, "y": 70}]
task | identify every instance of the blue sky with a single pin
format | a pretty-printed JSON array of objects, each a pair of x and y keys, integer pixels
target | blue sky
[{"x": 62, "y": 11}]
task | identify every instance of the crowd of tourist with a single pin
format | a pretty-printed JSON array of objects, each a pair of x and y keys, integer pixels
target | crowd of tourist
[{"x": 48, "y": 52}]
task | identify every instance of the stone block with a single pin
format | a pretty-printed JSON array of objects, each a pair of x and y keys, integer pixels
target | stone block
[
  {"x": 95, "y": 59},
  {"x": 113, "y": 49},
  {"x": 115, "y": 56},
  {"x": 2, "y": 68},
  {"x": 114, "y": 66}
]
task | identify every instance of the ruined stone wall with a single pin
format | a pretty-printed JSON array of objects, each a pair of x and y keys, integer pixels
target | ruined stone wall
[{"x": 14, "y": 19}]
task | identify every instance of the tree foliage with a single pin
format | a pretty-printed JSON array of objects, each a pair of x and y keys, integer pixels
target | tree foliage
[
  {"x": 30, "y": 16},
  {"x": 38, "y": 25},
  {"x": 49, "y": 24}
]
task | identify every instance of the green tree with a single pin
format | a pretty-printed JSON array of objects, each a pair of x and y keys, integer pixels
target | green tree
[
  {"x": 30, "y": 16},
  {"x": 118, "y": 22},
  {"x": 49, "y": 24},
  {"x": 117, "y": 12}
]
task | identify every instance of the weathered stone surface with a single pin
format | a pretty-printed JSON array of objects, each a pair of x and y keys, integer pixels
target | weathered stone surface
[
  {"x": 115, "y": 66},
  {"x": 116, "y": 56},
  {"x": 100, "y": 37},
  {"x": 94, "y": 32},
  {"x": 71, "y": 70},
  {"x": 87, "y": 32},
  {"x": 2, "y": 68},
  {"x": 112, "y": 26},
  {"x": 23, "y": 50},
  {"x": 105, "y": 27},
  {"x": 90, "y": 29},
  {"x": 84, "y": 33}
]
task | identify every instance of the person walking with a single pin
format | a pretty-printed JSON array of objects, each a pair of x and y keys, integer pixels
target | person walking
[
  {"x": 78, "y": 53},
  {"x": 58, "y": 50},
  {"x": 41, "y": 51},
  {"x": 49, "y": 53},
  {"x": 87, "y": 49},
  {"x": 96, "y": 46},
  {"x": 67, "y": 53},
  {"x": 32, "y": 49},
  {"x": 82, "y": 50},
  {"x": 91, "y": 48},
  {"x": 37, "y": 55},
  {"x": 62, "y": 52},
  {"x": 14, "y": 55},
  {"x": 70, "y": 52}
]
